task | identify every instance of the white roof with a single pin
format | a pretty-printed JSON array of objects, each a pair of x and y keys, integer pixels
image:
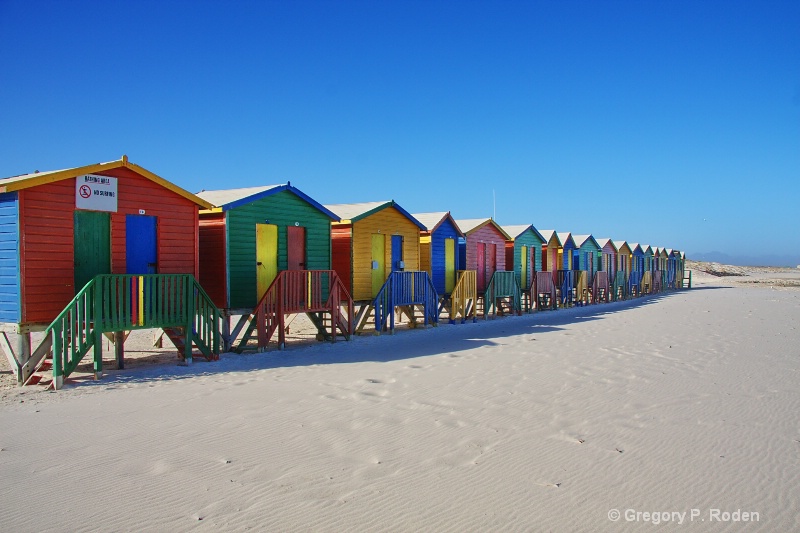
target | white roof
[
  {"x": 430, "y": 220},
  {"x": 351, "y": 211},
  {"x": 226, "y": 196}
]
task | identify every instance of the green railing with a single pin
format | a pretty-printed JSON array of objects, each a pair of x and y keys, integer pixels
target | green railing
[
  {"x": 123, "y": 302},
  {"x": 619, "y": 286},
  {"x": 503, "y": 285}
]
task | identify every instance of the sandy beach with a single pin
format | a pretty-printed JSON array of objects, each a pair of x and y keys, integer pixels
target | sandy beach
[{"x": 682, "y": 403}]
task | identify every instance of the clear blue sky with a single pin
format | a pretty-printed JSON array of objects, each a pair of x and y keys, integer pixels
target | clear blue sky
[{"x": 664, "y": 122}]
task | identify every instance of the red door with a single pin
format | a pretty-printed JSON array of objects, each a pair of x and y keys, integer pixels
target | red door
[
  {"x": 481, "y": 266},
  {"x": 491, "y": 260},
  {"x": 295, "y": 248}
]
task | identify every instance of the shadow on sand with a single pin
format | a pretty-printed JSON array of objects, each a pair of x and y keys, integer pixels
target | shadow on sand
[{"x": 406, "y": 344}]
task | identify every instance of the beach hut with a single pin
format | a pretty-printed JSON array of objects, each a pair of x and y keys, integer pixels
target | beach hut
[
  {"x": 270, "y": 238},
  {"x": 647, "y": 272},
  {"x": 591, "y": 286},
  {"x": 663, "y": 266},
  {"x": 672, "y": 268},
  {"x": 636, "y": 269},
  {"x": 524, "y": 256},
  {"x": 99, "y": 250},
  {"x": 552, "y": 260},
  {"x": 620, "y": 285},
  {"x": 568, "y": 275},
  {"x": 376, "y": 253},
  {"x": 483, "y": 249},
  {"x": 440, "y": 259}
]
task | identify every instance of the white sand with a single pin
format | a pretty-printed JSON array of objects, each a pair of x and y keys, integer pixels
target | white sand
[{"x": 542, "y": 422}]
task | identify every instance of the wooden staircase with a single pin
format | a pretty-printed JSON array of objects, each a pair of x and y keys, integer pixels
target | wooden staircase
[
  {"x": 315, "y": 293},
  {"x": 503, "y": 295},
  {"x": 464, "y": 298},
  {"x": 407, "y": 292},
  {"x": 118, "y": 303}
]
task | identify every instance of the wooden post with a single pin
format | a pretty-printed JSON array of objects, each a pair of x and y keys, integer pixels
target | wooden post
[
  {"x": 187, "y": 349},
  {"x": 16, "y": 367},
  {"x": 119, "y": 349},
  {"x": 23, "y": 347},
  {"x": 98, "y": 354}
]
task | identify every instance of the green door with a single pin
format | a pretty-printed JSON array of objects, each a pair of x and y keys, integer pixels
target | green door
[
  {"x": 92, "y": 245},
  {"x": 523, "y": 265},
  {"x": 266, "y": 257},
  {"x": 449, "y": 265},
  {"x": 378, "y": 265}
]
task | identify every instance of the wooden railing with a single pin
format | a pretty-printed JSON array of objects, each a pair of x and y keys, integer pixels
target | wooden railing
[
  {"x": 647, "y": 282},
  {"x": 601, "y": 290},
  {"x": 566, "y": 284},
  {"x": 123, "y": 302},
  {"x": 410, "y": 288},
  {"x": 464, "y": 297},
  {"x": 582, "y": 287},
  {"x": 502, "y": 287},
  {"x": 545, "y": 291},
  {"x": 299, "y": 291},
  {"x": 634, "y": 283},
  {"x": 619, "y": 286}
]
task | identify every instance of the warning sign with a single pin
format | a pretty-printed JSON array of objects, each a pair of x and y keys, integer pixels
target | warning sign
[{"x": 97, "y": 193}]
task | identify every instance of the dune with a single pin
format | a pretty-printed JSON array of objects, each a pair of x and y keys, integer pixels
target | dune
[{"x": 546, "y": 422}]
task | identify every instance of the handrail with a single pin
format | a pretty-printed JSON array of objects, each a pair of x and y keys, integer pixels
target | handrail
[
  {"x": 600, "y": 287},
  {"x": 566, "y": 282},
  {"x": 300, "y": 291},
  {"x": 582, "y": 286},
  {"x": 619, "y": 286},
  {"x": 503, "y": 284},
  {"x": 545, "y": 290},
  {"x": 464, "y": 296},
  {"x": 647, "y": 282},
  {"x": 120, "y": 302},
  {"x": 413, "y": 287}
]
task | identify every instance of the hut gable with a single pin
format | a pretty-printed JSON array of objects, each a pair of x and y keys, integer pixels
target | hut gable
[{"x": 46, "y": 212}]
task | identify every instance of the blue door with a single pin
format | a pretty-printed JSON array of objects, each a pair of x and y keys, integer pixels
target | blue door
[
  {"x": 397, "y": 253},
  {"x": 140, "y": 244}
]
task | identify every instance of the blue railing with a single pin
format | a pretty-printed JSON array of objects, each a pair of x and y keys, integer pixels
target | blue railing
[
  {"x": 566, "y": 283},
  {"x": 406, "y": 289}
]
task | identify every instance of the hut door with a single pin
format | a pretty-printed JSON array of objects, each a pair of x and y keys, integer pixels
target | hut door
[
  {"x": 491, "y": 260},
  {"x": 523, "y": 264},
  {"x": 378, "y": 265},
  {"x": 449, "y": 265},
  {"x": 140, "y": 244},
  {"x": 481, "y": 266},
  {"x": 397, "y": 253},
  {"x": 266, "y": 257},
  {"x": 92, "y": 245},
  {"x": 296, "y": 248}
]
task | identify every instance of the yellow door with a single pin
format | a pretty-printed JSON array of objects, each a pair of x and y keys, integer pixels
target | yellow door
[
  {"x": 266, "y": 256},
  {"x": 560, "y": 261},
  {"x": 523, "y": 263},
  {"x": 449, "y": 265},
  {"x": 378, "y": 262}
]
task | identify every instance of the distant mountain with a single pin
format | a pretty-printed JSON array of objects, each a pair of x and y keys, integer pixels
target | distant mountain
[{"x": 746, "y": 260}]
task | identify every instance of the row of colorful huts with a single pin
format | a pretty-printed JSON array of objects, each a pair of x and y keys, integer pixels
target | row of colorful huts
[{"x": 100, "y": 250}]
